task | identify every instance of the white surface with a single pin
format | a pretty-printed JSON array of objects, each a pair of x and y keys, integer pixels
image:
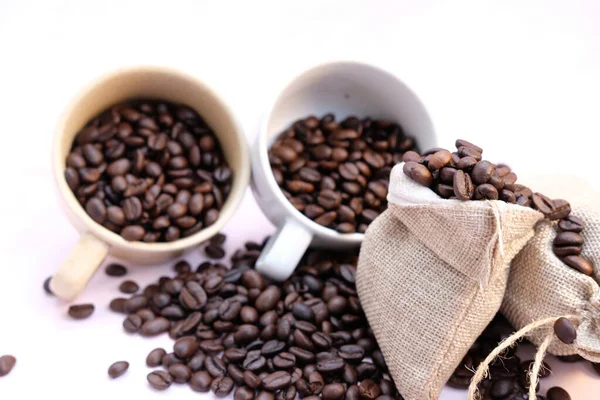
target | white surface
[{"x": 518, "y": 77}]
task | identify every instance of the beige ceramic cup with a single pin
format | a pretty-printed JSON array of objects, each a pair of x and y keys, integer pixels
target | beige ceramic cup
[{"x": 96, "y": 242}]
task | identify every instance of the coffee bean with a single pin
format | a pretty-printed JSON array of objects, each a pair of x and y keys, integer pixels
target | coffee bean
[
  {"x": 463, "y": 187},
  {"x": 192, "y": 296},
  {"x": 128, "y": 287},
  {"x": 132, "y": 323},
  {"x": 566, "y": 239},
  {"x": 133, "y": 233},
  {"x": 221, "y": 386},
  {"x": 117, "y": 369},
  {"x": 160, "y": 380},
  {"x": 251, "y": 379},
  {"x": 557, "y": 393},
  {"x": 333, "y": 391},
  {"x": 244, "y": 393},
  {"x": 264, "y": 395},
  {"x": 303, "y": 312},
  {"x": 486, "y": 191},
  {"x": 81, "y": 311},
  {"x": 276, "y": 380},
  {"x": 154, "y": 358},
  {"x": 155, "y": 327},
  {"x": 330, "y": 365},
  {"x": 116, "y": 270},
  {"x": 565, "y": 331},
  {"x": 200, "y": 381},
  {"x": 47, "y": 286},
  {"x": 185, "y": 347},
  {"x": 482, "y": 172},
  {"x": 254, "y": 361},
  {"x": 268, "y": 299},
  {"x": 580, "y": 264},
  {"x": 7, "y": 363},
  {"x": 571, "y": 223},
  {"x": 117, "y": 305},
  {"x": 352, "y": 353},
  {"x": 181, "y": 373},
  {"x": 214, "y": 252},
  {"x": 419, "y": 173},
  {"x": 215, "y": 366}
]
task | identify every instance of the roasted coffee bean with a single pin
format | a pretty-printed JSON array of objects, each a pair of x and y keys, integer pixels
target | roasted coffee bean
[
  {"x": 272, "y": 348},
  {"x": 352, "y": 353},
  {"x": 366, "y": 370},
  {"x": 215, "y": 366},
  {"x": 46, "y": 286},
  {"x": 235, "y": 355},
  {"x": 482, "y": 172},
  {"x": 333, "y": 391},
  {"x": 316, "y": 382},
  {"x": 276, "y": 381},
  {"x": 81, "y": 311},
  {"x": 117, "y": 369},
  {"x": 7, "y": 363},
  {"x": 567, "y": 251},
  {"x": 557, "y": 393},
  {"x": 154, "y": 358},
  {"x": 155, "y": 327},
  {"x": 303, "y": 312},
  {"x": 135, "y": 303},
  {"x": 244, "y": 393},
  {"x": 565, "y": 331},
  {"x": 246, "y": 333},
  {"x": 192, "y": 296},
  {"x": 353, "y": 393},
  {"x": 170, "y": 359},
  {"x": 115, "y": 270},
  {"x": 330, "y": 365},
  {"x": 268, "y": 299},
  {"x": 181, "y": 373},
  {"x": 369, "y": 389},
  {"x": 128, "y": 287},
  {"x": 302, "y": 355},
  {"x": 214, "y": 251},
  {"x": 254, "y": 361},
  {"x": 200, "y": 381},
  {"x": 185, "y": 347},
  {"x": 251, "y": 379},
  {"x": 160, "y": 380},
  {"x": 463, "y": 187},
  {"x": 265, "y": 395},
  {"x": 579, "y": 264},
  {"x": 117, "y": 305},
  {"x": 221, "y": 386},
  {"x": 571, "y": 223},
  {"x": 132, "y": 323},
  {"x": 565, "y": 239},
  {"x": 196, "y": 363}
]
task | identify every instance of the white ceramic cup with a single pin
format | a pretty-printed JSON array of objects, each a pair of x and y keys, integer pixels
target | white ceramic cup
[
  {"x": 344, "y": 88},
  {"x": 97, "y": 242}
]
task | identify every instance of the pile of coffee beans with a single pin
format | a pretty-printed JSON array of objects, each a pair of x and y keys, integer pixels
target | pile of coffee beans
[
  {"x": 337, "y": 173},
  {"x": 235, "y": 330},
  {"x": 464, "y": 175},
  {"x": 149, "y": 170},
  {"x": 509, "y": 375}
]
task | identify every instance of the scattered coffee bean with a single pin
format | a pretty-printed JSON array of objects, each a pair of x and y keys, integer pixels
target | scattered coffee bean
[
  {"x": 244, "y": 393},
  {"x": 117, "y": 369},
  {"x": 117, "y": 305},
  {"x": 81, "y": 311},
  {"x": 155, "y": 357},
  {"x": 159, "y": 380},
  {"x": 47, "y": 286},
  {"x": 7, "y": 363},
  {"x": 557, "y": 393},
  {"x": 221, "y": 386},
  {"x": 116, "y": 270},
  {"x": 200, "y": 381},
  {"x": 145, "y": 169},
  {"x": 132, "y": 323},
  {"x": 128, "y": 287},
  {"x": 181, "y": 373},
  {"x": 565, "y": 331}
]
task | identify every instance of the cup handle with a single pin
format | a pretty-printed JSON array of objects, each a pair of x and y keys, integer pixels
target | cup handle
[
  {"x": 77, "y": 270},
  {"x": 284, "y": 250}
]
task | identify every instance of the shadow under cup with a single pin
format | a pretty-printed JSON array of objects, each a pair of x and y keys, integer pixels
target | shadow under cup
[
  {"x": 344, "y": 89},
  {"x": 117, "y": 87}
]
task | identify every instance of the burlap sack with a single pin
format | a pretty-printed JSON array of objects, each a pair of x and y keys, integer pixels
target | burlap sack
[
  {"x": 541, "y": 286},
  {"x": 431, "y": 275}
]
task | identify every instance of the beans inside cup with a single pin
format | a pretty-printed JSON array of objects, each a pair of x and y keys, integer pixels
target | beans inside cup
[
  {"x": 151, "y": 171},
  {"x": 337, "y": 173}
]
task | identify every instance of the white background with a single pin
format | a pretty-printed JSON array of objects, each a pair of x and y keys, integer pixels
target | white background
[{"x": 520, "y": 78}]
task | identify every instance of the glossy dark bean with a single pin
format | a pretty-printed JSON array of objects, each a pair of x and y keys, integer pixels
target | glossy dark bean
[
  {"x": 580, "y": 264},
  {"x": 154, "y": 358},
  {"x": 251, "y": 379},
  {"x": 557, "y": 393},
  {"x": 330, "y": 365},
  {"x": 116, "y": 270},
  {"x": 81, "y": 311},
  {"x": 155, "y": 327},
  {"x": 160, "y": 380},
  {"x": 200, "y": 381},
  {"x": 276, "y": 381},
  {"x": 181, "y": 373},
  {"x": 221, "y": 386},
  {"x": 7, "y": 363},
  {"x": 333, "y": 391},
  {"x": 215, "y": 366},
  {"x": 571, "y": 223},
  {"x": 565, "y": 331},
  {"x": 254, "y": 361}
]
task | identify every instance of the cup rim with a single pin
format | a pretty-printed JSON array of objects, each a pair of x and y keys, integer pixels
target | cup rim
[
  {"x": 263, "y": 146},
  {"x": 73, "y": 206}
]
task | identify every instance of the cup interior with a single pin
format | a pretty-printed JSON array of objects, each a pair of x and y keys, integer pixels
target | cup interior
[
  {"x": 343, "y": 88},
  {"x": 151, "y": 83}
]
